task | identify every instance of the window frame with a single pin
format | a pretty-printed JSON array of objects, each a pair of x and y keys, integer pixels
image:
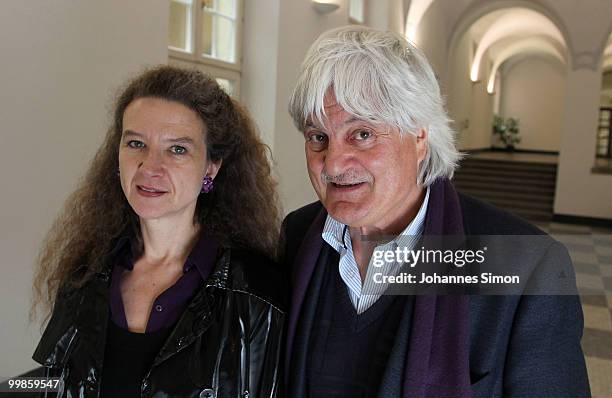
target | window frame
[
  {"x": 213, "y": 71},
  {"x": 215, "y": 67}
]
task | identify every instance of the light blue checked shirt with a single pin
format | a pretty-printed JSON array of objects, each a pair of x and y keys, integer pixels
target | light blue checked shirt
[{"x": 363, "y": 296}]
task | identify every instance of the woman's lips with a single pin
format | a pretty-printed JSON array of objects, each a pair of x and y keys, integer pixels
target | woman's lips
[{"x": 149, "y": 191}]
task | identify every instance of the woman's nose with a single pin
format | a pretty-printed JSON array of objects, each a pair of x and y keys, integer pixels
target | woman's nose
[{"x": 152, "y": 164}]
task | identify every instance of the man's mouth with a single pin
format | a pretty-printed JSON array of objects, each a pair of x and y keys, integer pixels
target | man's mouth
[{"x": 347, "y": 185}]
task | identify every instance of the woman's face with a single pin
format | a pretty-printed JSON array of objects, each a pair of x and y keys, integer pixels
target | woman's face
[{"x": 162, "y": 159}]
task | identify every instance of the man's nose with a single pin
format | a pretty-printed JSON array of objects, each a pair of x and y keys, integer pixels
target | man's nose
[
  {"x": 337, "y": 158},
  {"x": 152, "y": 164}
]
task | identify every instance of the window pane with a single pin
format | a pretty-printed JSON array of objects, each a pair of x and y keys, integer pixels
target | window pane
[
  {"x": 226, "y": 84},
  {"x": 218, "y": 37},
  {"x": 356, "y": 10},
  {"x": 207, "y": 25},
  {"x": 227, "y": 7},
  {"x": 179, "y": 28},
  {"x": 602, "y": 150},
  {"x": 224, "y": 38}
]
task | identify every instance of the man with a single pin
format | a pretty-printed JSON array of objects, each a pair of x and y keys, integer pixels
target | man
[{"x": 380, "y": 154}]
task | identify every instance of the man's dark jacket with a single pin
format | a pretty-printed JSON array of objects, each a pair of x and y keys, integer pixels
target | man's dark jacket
[
  {"x": 227, "y": 343},
  {"x": 519, "y": 345}
]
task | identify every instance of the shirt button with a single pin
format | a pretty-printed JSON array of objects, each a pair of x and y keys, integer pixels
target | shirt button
[
  {"x": 207, "y": 393},
  {"x": 159, "y": 308}
]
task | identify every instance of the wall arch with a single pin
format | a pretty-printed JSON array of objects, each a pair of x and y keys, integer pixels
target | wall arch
[
  {"x": 527, "y": 46},
  {"x": 481, "y": 8},
  {"x": 603, "y": 47},
  {"x": 415, "y": 14},
  {"x": 470, "y": 100}
]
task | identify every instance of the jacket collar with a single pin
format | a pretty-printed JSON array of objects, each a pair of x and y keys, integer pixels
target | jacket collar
[
  {"x": 84, "y": 314},
  {"x": 305, "y": 261},
  {"x": 196, "y": 318}
]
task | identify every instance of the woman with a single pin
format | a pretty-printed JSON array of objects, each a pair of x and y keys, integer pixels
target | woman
[{"x": 158, "y": 269}]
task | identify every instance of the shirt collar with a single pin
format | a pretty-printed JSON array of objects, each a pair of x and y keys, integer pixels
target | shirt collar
[
  {"x": 336, "y": 233},
  {"x": 202, "y": 256}
]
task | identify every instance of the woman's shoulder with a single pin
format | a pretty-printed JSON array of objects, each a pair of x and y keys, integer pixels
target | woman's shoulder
[{"x": 257, "y": 274}]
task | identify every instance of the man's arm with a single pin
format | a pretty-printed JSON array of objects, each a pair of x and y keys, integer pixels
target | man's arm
[{"x": 544, "y": 354}]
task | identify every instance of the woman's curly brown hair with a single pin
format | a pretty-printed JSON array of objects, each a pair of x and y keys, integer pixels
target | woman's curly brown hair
[{"x": 242, "y": 210}]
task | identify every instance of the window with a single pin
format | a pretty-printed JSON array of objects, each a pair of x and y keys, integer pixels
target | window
[
  {"x": 218, "y": 29},
  {"x": 356, "y": 14},
  {"x": 205, "y": 34},
  {"x": 604, "y": 134},
  {"x": 180, "y": 27}
]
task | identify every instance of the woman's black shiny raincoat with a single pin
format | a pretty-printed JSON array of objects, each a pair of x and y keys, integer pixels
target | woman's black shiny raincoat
[{"x": 226, "y": 344}]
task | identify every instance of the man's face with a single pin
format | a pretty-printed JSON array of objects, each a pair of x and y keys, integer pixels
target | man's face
[{"x": 365, "y": 174}]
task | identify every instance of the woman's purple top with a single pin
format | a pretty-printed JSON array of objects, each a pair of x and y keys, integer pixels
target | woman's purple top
[{"x": 170, "y": 304}]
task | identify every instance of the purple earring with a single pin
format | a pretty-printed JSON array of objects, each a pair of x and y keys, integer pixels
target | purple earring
[{"x": 207, "y": 184}]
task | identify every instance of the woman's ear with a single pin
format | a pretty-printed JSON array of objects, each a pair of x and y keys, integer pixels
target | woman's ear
[{"x": 213, "y": 168}]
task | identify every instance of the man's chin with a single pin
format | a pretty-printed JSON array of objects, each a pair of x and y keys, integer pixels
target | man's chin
[{"x": 347, "y": 213}]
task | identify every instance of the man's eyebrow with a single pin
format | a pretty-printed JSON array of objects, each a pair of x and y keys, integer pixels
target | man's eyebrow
[
  {"x": 354, "y": 119},
  {"x": 351, "y": 120}
]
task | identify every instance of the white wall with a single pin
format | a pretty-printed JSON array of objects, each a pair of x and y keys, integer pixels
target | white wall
[
  {"x": 431, "y": 37},
  {"x": 579, "y": 191},
  {"x": 291, "y": 28},
  {"x": 386, "y": 14},
  {"x": 259, "y": 64},
  {"x": 470, "y": 100},
  {"x": 481, "y": 114},
  {"x": 61, "y": 60},
  {"x": 533, "y": 90},
  {"x": 460, "y": 91}
]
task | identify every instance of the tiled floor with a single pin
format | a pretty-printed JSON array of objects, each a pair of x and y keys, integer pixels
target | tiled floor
[{"x": 591, "y": 252}]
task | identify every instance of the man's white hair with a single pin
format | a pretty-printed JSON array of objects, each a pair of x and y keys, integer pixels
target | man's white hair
[{"x": 381, "y": 77}]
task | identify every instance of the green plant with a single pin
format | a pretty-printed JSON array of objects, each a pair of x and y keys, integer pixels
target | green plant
[{"x": 507, "y": 129}]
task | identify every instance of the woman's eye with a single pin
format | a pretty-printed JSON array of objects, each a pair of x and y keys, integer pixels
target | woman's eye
[
  {"x": 135, "y": 144},
  {"x": 178, "y": 150}
]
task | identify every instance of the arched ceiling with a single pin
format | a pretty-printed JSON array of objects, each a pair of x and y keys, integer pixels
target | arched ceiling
[
  {"x": 528, "y": 46},
  {"x": 607, "y": 56},
  {"x": 502, "y": 34},
  {"x": 507, "y": 31},
  {"x": 415, "y": 14}
]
